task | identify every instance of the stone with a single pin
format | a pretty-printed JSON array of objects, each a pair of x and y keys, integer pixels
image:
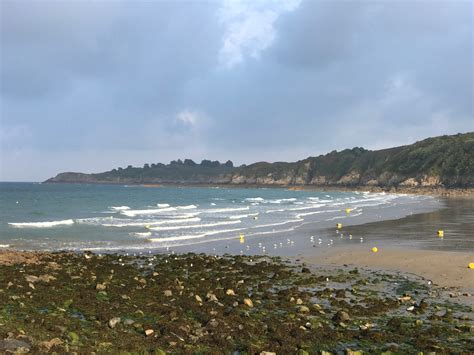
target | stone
[
  {"x": 168, "y": 293},
  {"x": 341, "y": 316},
  {"x": 198, "y": 298},
  {"x": 299, "y": 301},
  {"x": 149, "y": 332},
  {"x": 48, "y": 345},
  {"x": 14, "y": 345},
  {"x": 303, "y": 309},
  {"x": 230, "y": 292},
  {"x": 100, "y": 287},
  {"x": 248, "y": 302},
  {"x": 114, "y": 321}
]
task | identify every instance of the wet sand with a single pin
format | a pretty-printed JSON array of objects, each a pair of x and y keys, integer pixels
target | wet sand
[{"x": 444, "y": 268}]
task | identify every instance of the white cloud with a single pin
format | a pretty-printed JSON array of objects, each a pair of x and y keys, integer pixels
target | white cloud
[
  {"x": 188, "y": 118},
  {"x": 249, "y": 28}
]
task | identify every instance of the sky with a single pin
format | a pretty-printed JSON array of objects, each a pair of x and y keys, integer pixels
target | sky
[{"x": 93, "y": 85}]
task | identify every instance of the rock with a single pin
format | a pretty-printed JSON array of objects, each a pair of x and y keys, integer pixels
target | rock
[
  {"x": 100, "y": 287},
  {"x": 128, "y": 321},
  {"x": 341, "y": 316},
  {"x": 48, "y": 345},
  {"x": 352, "y": 352},
  {"x": 305, "y": 270},
  {"x": 114, "y": 321},
  {"x": 299, "y": 301},
  {"x": 267, "y": 353},
  {"x": 14, "y": 345},
  {"x": 211, "y": 297},
  {"x": 149, "y": 332},
  {"x": 230, "y": 292},
  {"x": 248, "y": 302},
  {"x": 168, "y": 293},
  {"x": 303, "y": 309},
  {"x": 31, "y": 278},
  {"x": 198, "y": 298}
]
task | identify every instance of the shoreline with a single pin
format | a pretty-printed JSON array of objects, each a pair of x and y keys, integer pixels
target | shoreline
[{"x": 447, "y": 269}]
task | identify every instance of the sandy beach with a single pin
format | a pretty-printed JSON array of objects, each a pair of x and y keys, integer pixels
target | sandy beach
[{"x": 443, "y": 268}]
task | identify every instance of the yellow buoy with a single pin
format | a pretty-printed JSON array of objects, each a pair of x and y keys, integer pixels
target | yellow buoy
[
  {"x": 440, "y": 233},
  {"x": 242, "y": 239},
  {"x": 375, "y": 249},
  {"x": 339, "y": 225},
  {"x": 471, "y": 266},
  {"x": 348, "y": 210}
]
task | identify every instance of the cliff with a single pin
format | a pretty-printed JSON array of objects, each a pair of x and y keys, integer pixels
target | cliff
[{"x": 445, "y": 161}]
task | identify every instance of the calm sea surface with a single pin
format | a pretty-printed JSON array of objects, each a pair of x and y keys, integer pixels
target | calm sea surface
[{"x": 115, "y": 217}]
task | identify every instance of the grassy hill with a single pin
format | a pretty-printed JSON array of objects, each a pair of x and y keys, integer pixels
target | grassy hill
[{"x": 446, "y": 161}]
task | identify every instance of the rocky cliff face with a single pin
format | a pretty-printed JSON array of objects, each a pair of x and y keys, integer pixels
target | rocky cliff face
[{"x": 446, "y": 161}]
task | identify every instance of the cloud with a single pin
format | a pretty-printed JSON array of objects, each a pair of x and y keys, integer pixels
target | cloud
[
  {"x": 118, "y": 83},
  {"x": 249, "y": 28}
]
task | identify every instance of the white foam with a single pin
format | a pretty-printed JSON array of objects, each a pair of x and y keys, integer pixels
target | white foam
[
  {"x": 194, "y": 236},
  {"x": 42, "y": 224},
  {"x": 162, "y": 205},
  {"x": 220, "y": 210},
  {"x": 195, "y": 226},
  {"x": 143, "y": 223},
  {"x": 119, "y": 208},
  {"x": 255, "y": 199},
  {"x": 4, "y": 245},
  {"x": 142, "y": 235},
  {"x": 239, "y": 216},
  {"x": 188, "y": 207},
  {"x": 134, "y": 213}
]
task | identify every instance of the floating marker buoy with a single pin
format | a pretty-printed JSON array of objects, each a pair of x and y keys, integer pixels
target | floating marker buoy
[
  {"x": 339, "y": 225},
  {"x": 471, "y": 266},
  {"x": 440, "y": 233},
  {"x": 375, "y": 249},
  {"x": 348, "y": 210}
]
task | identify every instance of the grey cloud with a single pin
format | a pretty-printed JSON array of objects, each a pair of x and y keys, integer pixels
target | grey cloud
[{"x": 83, "y": 78}]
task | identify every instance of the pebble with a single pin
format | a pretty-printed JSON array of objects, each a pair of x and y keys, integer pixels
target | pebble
[
  {"x": 114, "y": 321},
  {"x": 248, "y": 302},
  {"x": 149, "y": 332}
]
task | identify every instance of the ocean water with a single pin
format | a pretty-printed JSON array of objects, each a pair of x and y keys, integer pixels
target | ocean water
[{"x": 117, "y": 217}]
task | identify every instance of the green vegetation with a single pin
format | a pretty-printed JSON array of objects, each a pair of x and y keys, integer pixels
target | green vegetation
[
  {"x": 446, "y": 161},
  {"x": 203, "y": 304}
]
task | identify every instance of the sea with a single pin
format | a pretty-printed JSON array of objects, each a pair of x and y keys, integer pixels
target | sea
[{"x": 124, "y": 218}]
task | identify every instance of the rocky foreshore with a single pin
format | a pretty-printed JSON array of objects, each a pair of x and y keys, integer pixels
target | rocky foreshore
[{"x": 196, "y": 304}]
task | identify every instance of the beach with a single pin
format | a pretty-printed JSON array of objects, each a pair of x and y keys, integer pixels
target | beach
[{"x": 316, "y": 289}]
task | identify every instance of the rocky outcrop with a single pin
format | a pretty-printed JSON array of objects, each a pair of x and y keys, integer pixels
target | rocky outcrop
[{"x": 446, "y": 161}]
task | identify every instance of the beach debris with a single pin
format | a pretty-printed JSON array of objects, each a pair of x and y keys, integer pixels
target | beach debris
[
  {"x": 339, "y": 225},
  {"x": 242, "y": 239},
  {"x": 267, "y": 353},
  {"x": 471, "y": 266},
  {"x": 348, "y": 210},
  {"x": 440, "y": 233},
  {"x": 248, "y": 302},
  {"x": 149, "y": 332},
  {"x": 114, "y": 321},
  {"x": 375, "y": 249},
  {"x": 411, "y": 308}
]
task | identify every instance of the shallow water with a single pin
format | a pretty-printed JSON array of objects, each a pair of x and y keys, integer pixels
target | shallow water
[{"x": 114, "y": 217}]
